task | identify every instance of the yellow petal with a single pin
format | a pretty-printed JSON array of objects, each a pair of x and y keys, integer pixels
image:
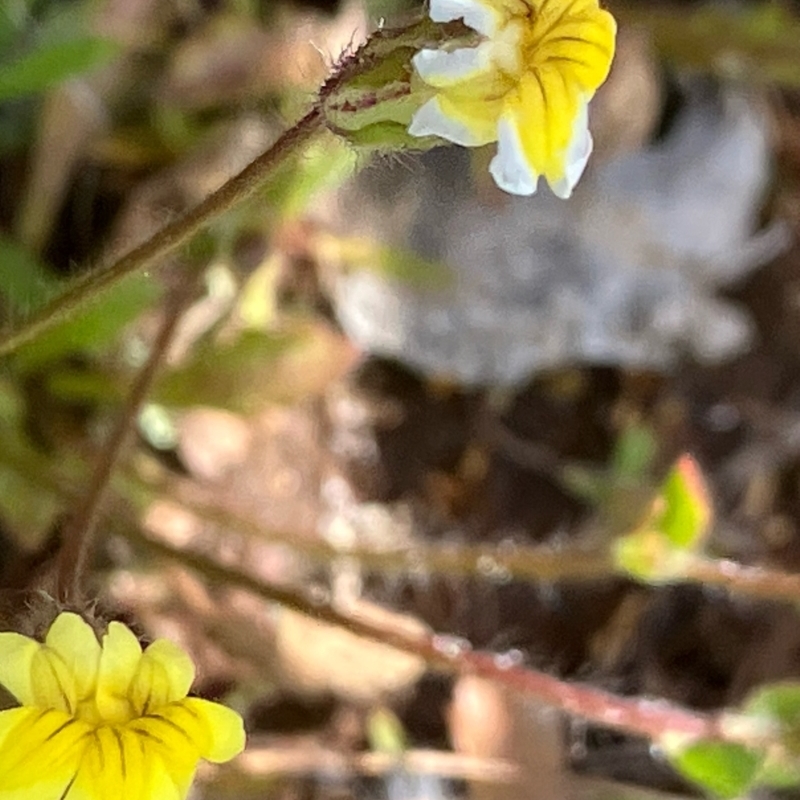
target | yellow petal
[
  {"x": 176, "y": 733},
  {"x": 466, "y": 114},
  {"x": 164, "y": 784},
  {"x": 119, "y": 663},
  {"x": 542, "y": 110},
  {"x": 16, "y": 657},
  {"x": 165, "y": 674},
  {"x": 41, "y": 751},
  {"x": 53, "y": 683},
  {"x": 578, "y": 42},
  {"x": 123, "y": 765},
  {"x": 225, "y": 725},
  {"x": 113, "y": 766},
  {"x": 76, "y": 644}
]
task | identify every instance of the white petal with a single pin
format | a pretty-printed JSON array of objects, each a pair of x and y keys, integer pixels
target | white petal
[
  {"x": 509, "y": 168},
  {"x": 578, "y": 152},
  {"x": 440, "y": 68},
  {"x": 430, "y": 120},
  {"x": 481, "y": 18}
]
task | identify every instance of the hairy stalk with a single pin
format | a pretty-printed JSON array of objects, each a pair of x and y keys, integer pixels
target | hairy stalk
[
  {"x": 634, "y": 715},
  {"x": 507, "y": 562},
  {"x": 79, "y": 531},
  {"x": 498, "y": 562},
  {"x": 758, "y": 583},
  {"x": 171, "y": 236}
]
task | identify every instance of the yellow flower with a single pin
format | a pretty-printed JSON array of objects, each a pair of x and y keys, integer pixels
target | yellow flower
[
  {"x": 104, "y": 722},
  {"x": 525, "y": 86}
]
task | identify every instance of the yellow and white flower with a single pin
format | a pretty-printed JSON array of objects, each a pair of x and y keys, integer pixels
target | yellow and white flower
[
  {"x": 526, "y": 85},
  {"x": 104, "y": 722}
]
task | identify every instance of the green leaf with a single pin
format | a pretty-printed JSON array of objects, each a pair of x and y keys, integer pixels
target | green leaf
[
  {"x": 673, "y": 531},
  {"x": 8, "y": 25},
  {"x": 725, "y": 768},
  {"x": 687, "y": 509},
  {"x": 633, "y": 453},
  {"x": 778, "y": 705},
  {"x": 24, "y": 281},
  {"x": 779, "y": 770},
  {"x": 397, "y": 263},
  {"x": 323, "y": 165},
  {"x": 229, "y": 375},
  {"x": 51, "y": 63},
  {"x": 777, "y": 702},
  {"x": 94, "y": 328}
]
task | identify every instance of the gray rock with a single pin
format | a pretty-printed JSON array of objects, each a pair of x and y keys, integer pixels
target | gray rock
[{"x": 624, "y": 273}]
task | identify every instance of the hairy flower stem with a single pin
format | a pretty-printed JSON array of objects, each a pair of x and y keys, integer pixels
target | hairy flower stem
[
  {"x": 652, "y": 719},
  {"x": 78, "y": 534},
  {"x": 91, "y": 285}
]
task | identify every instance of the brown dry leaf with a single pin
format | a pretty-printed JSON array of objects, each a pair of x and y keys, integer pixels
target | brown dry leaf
[
  {"x": 232, "y": 59},
  {"x": 318, "y": 658}
]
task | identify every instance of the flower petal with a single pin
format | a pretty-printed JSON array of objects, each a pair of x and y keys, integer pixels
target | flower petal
[
  {"x": 227, "y": 729},
  {"x": 16, "y": 656},
  {"x": 510, "y": 168},
  {"x": 465, "y": 115},
  {"x": 430, "y": 120},
  {"x": 578, "y": 152},
  {"x": 442, "y": 68},
  {"x": 121, "y": 764},
  {"x": 481, "y": 17},
  {"x": 542, "y": 110},
  {"x": 53, "y": 683},
  {"x": 165, "y": 674},
  {"x": 174, "y": 736},
  {"x": 580, "y": 40},
  {"x": 73, "y": 639},
  {"x": 113, "y": 766},
  {"x": 119, "y": 663},
  {"x": 41, "y": 751}
]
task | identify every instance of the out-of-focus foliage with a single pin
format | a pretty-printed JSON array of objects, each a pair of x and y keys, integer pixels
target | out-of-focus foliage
[
  {"x": 35, "y": 55},
  {"x": 725, "y": 769},
  {"x": 753, "y": 43},
  {"x": 675, "y": 527}
]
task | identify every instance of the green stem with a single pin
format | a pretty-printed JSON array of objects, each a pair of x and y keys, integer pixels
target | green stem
[
  {"x": 170, "y": 237},
  {"x": 79, "y": 532}
]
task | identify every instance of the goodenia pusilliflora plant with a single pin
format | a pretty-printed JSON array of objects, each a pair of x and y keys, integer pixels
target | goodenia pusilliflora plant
[
  {"x": 472, "y": 72},
  {"x": 101, "y": 720}
]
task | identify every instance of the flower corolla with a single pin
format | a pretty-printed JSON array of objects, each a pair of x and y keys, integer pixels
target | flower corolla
[
  {"x": 98, "y": 722},
  {"x": 525, "y": 85}
]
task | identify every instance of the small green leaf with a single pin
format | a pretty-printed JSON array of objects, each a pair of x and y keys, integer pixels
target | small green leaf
[
  {"x": 777, "y": 702},
  {"x": 673, "y": 530},
  {"x": 51, "y": 63},
  {"x": 687, "y": 509},
  {"x": 725, "y": 768},
  {"x": 779, "y": 770},
  {"x": 385, "y": 732},
  {"x": 647, "y": 556},
  {"x": 778, "y": 705}
]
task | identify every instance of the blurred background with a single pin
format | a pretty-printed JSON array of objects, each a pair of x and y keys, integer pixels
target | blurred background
[{"x": 390, "y": 360}]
